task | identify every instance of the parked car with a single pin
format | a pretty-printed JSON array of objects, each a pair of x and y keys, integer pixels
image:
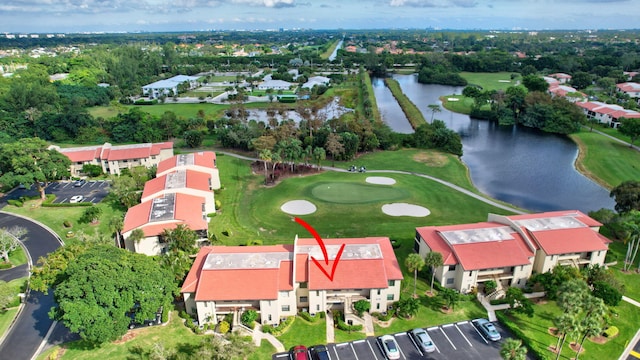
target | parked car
[
  {"x": 299, "y": 352},
  {"x": 389, "y": 347},
  {"x": 487, "y": 328},
  {"x": 319, "y": 352},
  {"x": 157, "y": 320},
  {"x": 79, "y": 183},
  {"x": 423, "y": 340},
  {"x": 76, "y": 199}
]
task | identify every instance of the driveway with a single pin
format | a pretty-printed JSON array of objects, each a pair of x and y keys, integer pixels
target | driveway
[
  {"x": 30, "y": 328},
  {"x": 92, "y": 191}
]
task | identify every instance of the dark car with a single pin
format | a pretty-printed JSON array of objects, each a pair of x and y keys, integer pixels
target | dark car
[
  {"x": 299, "y": 352},
  {"x": 319, "y": 352}
]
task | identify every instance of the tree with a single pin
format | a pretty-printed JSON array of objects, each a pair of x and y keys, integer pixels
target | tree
[
  {"x": 90, "y": 215},
  {"x": 414, "y": 263},
  {"x": 361, "y": 306},
  {"x": 581, "y": 80},
  {"x": 7, "y": 295},
  {"x": 51, "y": 270},
  {"x": 92, "y": 170},
  {"x": 334, "y": 146},
  {"x": 450, "y": 297},
  {"x": 566, "y": 324},
  {"x": 103, "y": 286},
  {"x": 434, "y": 260},
  {"x": 193, "y": 138},
  {"x": 593, "y": 319},
  {"x": 608, "y": 293},
  {"x": 627, "y": 196},
  {"x": 249, "y": 317},
  {"x": 265, "y": 156},
  {"x": 630, "y": 127},
  {"x": 535, "y": 83},
  {"x": 318, "y": 155},
  {"x": 407, "y": 307},
  {"x": 29, "y": 161},
  {"x": 9, "y": 241},
  {"x": 180, "y": 239},
  {"x": 435, "y": 108},
  {"x": 125, "y": 189},
  {"x": 512, "y": 349},
  {"x": 518, "y": 302}
]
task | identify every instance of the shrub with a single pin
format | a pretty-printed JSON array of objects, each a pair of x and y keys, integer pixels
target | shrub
[
  {"x": 515, "y": 329},
  {"x": 281, "y": 328},
  {"x": 305, "y": 315},
  {"x": 227, "y": 232},
  {"x": 490, "y": 286},
  {"x": 254, "y": 242},
  {"x": 611, "y": 331},
  {"x": 16, "y": 203},
  {"x": 218, "y": 205},
  {"x": 224, "y": 327},
  {"x": 210, "y": 215},
  {"x": 66, "y": 223},
  {"x": 249, "y": 317},
  {"x": 361, "y": 306},
  {"x": 268, "y": 329}
]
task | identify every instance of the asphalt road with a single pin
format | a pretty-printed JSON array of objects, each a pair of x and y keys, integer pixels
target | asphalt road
[{"x": 31, "y": 326}]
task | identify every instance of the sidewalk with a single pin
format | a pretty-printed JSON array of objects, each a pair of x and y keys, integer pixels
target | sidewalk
[
  {"x": 331, "y": 337},
  {"x": 491, "y": 309},
  {"x": 258, "y": 335}
]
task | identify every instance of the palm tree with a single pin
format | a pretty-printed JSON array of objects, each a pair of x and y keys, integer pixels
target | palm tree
[
  {"x": 415, "y": 263},
  {"x": 512, "y": 349},
  {"x": 592, "y": 323},
  {"x": 566, "y": 324},
  {"x": 433, "y": 260},
  {"x": 265, "y": 156},
  {"x": 435, "y": 108}
]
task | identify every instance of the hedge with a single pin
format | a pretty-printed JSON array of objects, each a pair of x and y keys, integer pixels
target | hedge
[
  {"x": 281, "y": 328},
  {"x": 612, "y": 331},
  {"x": 67, "y": 204},
  {"x": 305, "y": 315}
]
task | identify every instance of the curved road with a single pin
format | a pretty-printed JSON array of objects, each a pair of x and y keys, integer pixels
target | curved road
[{"x": 32, "y": 324}]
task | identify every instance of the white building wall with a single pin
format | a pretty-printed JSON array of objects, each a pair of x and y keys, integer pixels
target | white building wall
[{"x": 269, "y": 312}]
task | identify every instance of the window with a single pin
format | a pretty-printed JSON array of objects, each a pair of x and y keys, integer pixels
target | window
[
  {"x": 153, "y": 157},
  {"x": 317, "y": 307},
  {"x": 378, "y": 291},
  {"x": 392, "y": 283},
  {"x": 470, "y": 272},
  {"x": 269, "y": 317},
  {"x": 378, "y": 306},
  {"x": 450, "y": 281},
  {"x": 317, "y": 292},
  {"x": 304, "y": 299},
  {"x": 285, "y": 307},
  {"x": 284, "y": 294},
  {"x": 390, "y": 297},
  {"x": 303, "y": 285},
  {"x": 452, "y": 268}
]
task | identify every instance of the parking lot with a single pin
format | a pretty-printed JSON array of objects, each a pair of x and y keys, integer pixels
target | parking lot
[
  {"x": 453, "y": 341},
  {"x": 91, "y": 191}
]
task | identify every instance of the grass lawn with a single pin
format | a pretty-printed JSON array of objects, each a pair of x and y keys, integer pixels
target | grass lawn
[
  {"x": 344, "y": 336},
  {"x": 536, "y": 329},
  {"x": 605, "y": 160},
  {"x": 305, "y": 333},
  {"x": 629, "y": 279},
  {"x": 54, "y": 218},
  {"x": 490, "y": 81},
  {"x": 174, "y": 335},
  {"x": 6, "y": 317},
  {"x": 18, "y": 257}
]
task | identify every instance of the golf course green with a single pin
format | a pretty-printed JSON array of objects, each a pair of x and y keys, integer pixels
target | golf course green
[{"x": 341, "y": 192}]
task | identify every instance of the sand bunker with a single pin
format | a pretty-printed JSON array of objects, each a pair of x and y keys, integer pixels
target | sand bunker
[
  {"x": 380, "y": 180},
  {"x": 404, "y": 209},
  {"x": 298, "y": 207}
]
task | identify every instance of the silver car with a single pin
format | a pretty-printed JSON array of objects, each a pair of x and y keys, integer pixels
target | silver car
[
  {"x": 487, "y": 328},
  {"x": 423, "y": 340},
  {"x": 389, "y": 347}
]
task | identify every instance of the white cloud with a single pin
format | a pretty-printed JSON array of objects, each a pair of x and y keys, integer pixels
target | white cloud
[{"x": 267, "y": 3}]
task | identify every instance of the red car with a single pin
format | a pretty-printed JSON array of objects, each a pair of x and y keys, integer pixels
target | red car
[{"x": 299, "y": 352}]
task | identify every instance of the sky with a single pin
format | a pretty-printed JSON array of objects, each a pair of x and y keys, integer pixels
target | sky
[{"x": 66, "y": 16}]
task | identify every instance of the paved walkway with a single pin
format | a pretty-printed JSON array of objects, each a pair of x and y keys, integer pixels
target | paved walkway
[
  {"x": 331, "y": 336},
  {"x": 258, "y": 336},
  {"x": 491, "y": 309},
  {"x": 369, "y": 330}
]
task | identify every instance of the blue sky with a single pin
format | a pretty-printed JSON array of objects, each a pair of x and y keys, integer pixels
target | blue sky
[{"x": 184, "y": 15}]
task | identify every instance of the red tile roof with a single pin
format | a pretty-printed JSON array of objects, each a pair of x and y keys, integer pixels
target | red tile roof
[
  {"x": 480, "y": 254},
  {"x": 115, "y": 153},
  {"x": 202, "y": 158},
  {"x": 629, "y": 87},
  {"x": 183, "y": 213},
  {"x": 193, "y": 180},
  {"x": 82, "y": 154}
]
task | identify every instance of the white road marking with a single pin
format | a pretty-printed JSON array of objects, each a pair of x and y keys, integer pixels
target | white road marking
[
  {"x": 445, "y": 335},
  {"x": 460, "y": 331},
  {"x": 354, "y": 352}
]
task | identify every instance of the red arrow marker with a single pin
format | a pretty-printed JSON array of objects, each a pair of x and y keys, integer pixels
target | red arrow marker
[{"x": 315, "y": 234}]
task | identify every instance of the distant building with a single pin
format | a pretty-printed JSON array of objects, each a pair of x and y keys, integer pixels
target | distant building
[
  {"x": 630, "y": 88},
  {"x": 169, "y": 87},
  {"x": 561, "y": 77},
  {"x": 316, "y": 80},
  {"x": 608, "y": 114},
  {"x": 274, "y": 85},
  {"x": 113, "y": 159},
  {"x": 201, "y": 161}
]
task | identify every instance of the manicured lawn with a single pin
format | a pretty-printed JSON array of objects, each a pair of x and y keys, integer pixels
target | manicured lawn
[
  {"x": 174, "y": 335},
  {"x": 536, "y": 329},
  {"x": 6, "y": 318},
  {"x": 606, "y": 160},
  {"x": 305, "y": 333},
  {"x": 344, "y": 336},
  {"x": 19, "y": 286},
  {"x": 18, "y": 257},
  {"x": 490, "y": 81},
  {"x": 629, "y": 279},
  {"x": 263, "y": 352},
  {"x": 55, "y": 217}
]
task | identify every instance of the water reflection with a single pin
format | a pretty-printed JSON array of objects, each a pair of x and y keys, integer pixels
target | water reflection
[{"x": 525, "y": 167}]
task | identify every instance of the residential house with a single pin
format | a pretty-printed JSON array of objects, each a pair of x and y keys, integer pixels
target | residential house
[
  {"x": 202, "y": 161},
  {"x": 164, "y": 212},
  {"x": 606, "y": 113},
  {"x": 630, "y": 88},
  {"x": 188, "y": 182},
  {"x": 280, "y": 280},
  {"x": 508, "y": 249},
  {"x": 316, "y": 80},
  {"x": 567, "y": 92},
  {"x": 113, "y": 159},
  {"x": 630, "y": 74},
  {"x": 561, "y": 77},
  {"x": 274, "y": 85},
  {"x": 169, "y": 87}
]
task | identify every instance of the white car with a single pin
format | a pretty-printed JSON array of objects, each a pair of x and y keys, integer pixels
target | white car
[
  {"x": 423, "y": 340},
  {"x": 76, "y": 199},
  {"x": 389, "y": 347}
]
